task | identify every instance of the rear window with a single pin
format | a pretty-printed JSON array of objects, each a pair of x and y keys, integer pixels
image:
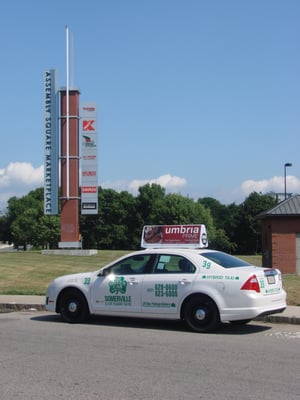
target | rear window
[{"x": 224, "y": 259}]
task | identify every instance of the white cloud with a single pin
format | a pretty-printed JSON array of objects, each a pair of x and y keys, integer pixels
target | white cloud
[
  {"x": 17, "y": 179},
  {"x": 169, "y": 182},
  {"x": 275, "y": 184},
  {"x": 21, "y": 173}
]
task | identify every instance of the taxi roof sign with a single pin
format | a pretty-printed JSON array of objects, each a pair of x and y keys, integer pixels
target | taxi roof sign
[{"x": 191, "y": 236}]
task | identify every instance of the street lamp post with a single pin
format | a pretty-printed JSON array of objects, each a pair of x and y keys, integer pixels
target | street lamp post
[{"x": 285, "y": 166}]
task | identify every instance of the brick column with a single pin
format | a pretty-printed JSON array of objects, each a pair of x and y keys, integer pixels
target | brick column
[{"x": 70, "y": 201}]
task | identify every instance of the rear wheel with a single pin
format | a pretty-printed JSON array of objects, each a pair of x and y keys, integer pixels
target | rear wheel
[
  {"x": 73, "y": 306},
  {"x": 201, "y": 314}
]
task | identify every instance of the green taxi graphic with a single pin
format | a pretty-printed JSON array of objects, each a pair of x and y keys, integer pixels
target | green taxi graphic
[{"x": 119, "y": 285}]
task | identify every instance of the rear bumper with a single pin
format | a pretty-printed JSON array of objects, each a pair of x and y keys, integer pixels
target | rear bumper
[
  {"x": 253, "y": 305},
  {"x": 236, "y": 314}
]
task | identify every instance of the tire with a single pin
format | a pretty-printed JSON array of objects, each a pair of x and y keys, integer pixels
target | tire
[
  {"x": 73, "y": 306},
  {"x": 201, "y": 314}
]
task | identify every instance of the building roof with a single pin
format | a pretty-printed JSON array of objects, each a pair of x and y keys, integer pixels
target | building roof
[{"x": 287, "y": 208}]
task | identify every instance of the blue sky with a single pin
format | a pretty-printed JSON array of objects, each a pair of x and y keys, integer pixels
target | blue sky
[{"x": 202, "y": 97}]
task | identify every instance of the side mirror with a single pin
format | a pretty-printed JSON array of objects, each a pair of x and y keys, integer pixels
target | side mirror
[{"x": 103, "y": 272}]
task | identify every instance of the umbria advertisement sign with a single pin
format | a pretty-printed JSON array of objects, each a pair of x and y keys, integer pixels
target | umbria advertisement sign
[
  {"x": 51, "y": 144},
  {"x": 174, "y": 236}
]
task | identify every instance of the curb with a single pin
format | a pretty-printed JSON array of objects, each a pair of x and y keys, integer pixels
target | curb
[
  {"x": 280, "y": 319},
  {"x": 11, "y": 307}
]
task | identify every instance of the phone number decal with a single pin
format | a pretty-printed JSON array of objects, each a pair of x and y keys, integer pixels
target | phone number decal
[{"x": 167, "y": 290}]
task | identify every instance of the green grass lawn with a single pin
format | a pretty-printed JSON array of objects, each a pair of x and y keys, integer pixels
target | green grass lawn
[{"x": 29, "y": 272}]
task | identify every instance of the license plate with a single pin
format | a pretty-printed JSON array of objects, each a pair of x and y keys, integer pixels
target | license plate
[{"x": 271, "y": 279}]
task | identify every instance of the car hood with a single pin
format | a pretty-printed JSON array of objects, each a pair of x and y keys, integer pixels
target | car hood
[{"x": 73, "y": 278}]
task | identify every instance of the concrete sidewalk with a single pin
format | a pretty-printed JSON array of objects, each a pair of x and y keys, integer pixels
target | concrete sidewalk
[{"x": 21, "y": 303}]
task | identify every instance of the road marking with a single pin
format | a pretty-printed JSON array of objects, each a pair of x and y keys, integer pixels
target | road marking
[{"x": 285, "y": 335}]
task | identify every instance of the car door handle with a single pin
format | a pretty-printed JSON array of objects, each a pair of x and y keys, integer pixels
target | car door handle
[
  {"x": 185, "y": 282},
  {"x": 133, "y": 282}
]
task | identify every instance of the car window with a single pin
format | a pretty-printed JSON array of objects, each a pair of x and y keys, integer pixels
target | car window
[
  {"x": 170, "y": 264},
  {"x": 130, "y": 266},
  {"x": 224, "y": 259}
]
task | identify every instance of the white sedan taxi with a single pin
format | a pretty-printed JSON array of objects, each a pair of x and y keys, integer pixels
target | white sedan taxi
[{"x": 175, "y": 277}]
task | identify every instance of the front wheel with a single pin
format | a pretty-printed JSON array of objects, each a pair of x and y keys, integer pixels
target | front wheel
[
  {"x": 73, "y": 306},
  {"x": 201, "y": 314}
]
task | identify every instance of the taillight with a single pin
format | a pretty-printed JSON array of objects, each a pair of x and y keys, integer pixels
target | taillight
[
  {"x": 281, "y": 280},
  {"x": 251, "y": 284}
]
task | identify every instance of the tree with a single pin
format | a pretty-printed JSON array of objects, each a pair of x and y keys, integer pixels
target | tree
[
  {"x": 121, "y": 217},
  {"x": 225, "y": 218},
  {"x": 149, "y": 203},
  {"x": 115, "y": 225},
  {"x": 248, "y": 230},
  {"x": 47, "y": 233},
  {"x": 24, "y": 214},
  {"x": 178, "y": 210},
  {"x": 27, "y": 223},
  {"x": 5, "y": 232}
]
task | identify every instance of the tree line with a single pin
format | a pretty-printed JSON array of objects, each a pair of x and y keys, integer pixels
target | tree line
[{"x": 118, "y": 225}]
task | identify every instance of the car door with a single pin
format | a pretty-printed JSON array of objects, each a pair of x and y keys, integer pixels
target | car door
[
  {"x": 171, "y": 280},
  {"x": 118, "y": 289}
]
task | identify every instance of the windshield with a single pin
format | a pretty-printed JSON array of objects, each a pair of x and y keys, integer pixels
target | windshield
[{"x": 225, "y": 260}]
